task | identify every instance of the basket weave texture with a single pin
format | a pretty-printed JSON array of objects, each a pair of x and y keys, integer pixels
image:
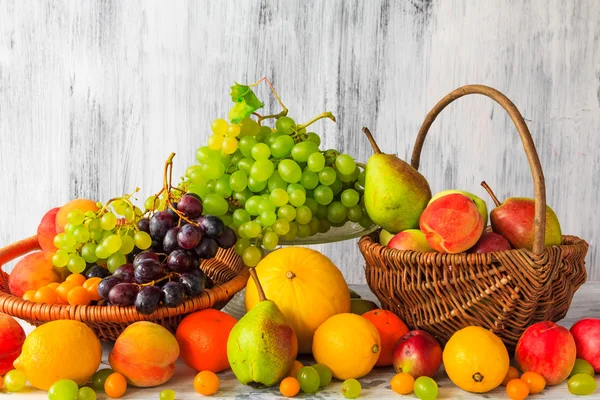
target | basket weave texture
[
  {"x": 503, "y": 291},
  {"x": 226, "y": 270}
]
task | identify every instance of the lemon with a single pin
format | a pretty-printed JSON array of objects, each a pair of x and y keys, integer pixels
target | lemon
[
  {"x": 476, "y": 360},
  {"x": 348, "y": 344},
  {"x": 62, "y": 349}
]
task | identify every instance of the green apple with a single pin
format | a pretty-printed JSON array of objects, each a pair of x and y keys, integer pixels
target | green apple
[
  {"x": 479, "y": 202},
  {"x": 385, "y": 237}
]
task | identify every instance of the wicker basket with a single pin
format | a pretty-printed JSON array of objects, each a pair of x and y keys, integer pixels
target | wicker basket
[
  {"x": 504, "y": 291},
  {"x": 226, "y": 270}
]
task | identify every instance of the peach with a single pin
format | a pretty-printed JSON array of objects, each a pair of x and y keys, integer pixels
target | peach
[
  {"x": 548, "y": 349},
  {"x": 586, "y": 333},
  {"x": 145, "y": 354},
  {"x": 77, "y": 204},
  {"x": 32, "y": 272},
  {"x": 452, "y": 223},
  {"x": 47, "y": 230},
  {"x": 410, "y": 239},
  {"x": 12, "y": 337}
]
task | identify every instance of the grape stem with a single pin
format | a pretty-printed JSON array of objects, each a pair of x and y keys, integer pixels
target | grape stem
[
  {"x": 168, "y": 276},
  {"x": 285, "y": 110},
  {"x": 361, "y": 165},
  {"x": 327, "y": 114},
  {"x": 167, "y": 187}
]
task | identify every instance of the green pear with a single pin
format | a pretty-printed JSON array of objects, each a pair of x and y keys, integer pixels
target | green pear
[
  {"x": 479, "y": 202},
  {"x": 385, "y": 237},
  {"x": 395, "y": 193},
  {"x": 262, "y": 346}
]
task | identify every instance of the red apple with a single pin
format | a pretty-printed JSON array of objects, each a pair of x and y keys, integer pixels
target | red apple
[
  {"x": 47, "y": 230},
  {"x": 586, "y": 333},
  {"x": 548, "y": 349},
  {"x": 489, "y": 242},
  {"x": 417, "y": 353},
  {"x": 12, "y": 337}
]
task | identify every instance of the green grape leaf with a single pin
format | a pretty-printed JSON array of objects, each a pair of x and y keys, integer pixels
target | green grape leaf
[{"x": 245, "y": 101}]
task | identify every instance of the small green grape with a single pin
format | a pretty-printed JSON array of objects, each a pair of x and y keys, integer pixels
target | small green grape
[
  {"x": 167, "y": 395},
  {"x": 63, "y": 389},
  {"x": 582, "y": 384},
  {"x": 270, "y": 240},
  {"x": 108, "y": 221},
  {"x": 76, "y": 264},
  {"x": 238, "y": 181},
  {"x": 127, "y": 244},
  {"x": 313, "y": 137},
  {"x": 241, "y": 245},
  {"x": 260, "y": 151},
  {"x": 309, "y": 380},
  {"x": 112, "y": 243},
  {"x": 60, "y": 258},
  {"x": 141, "y": 239},
  {"x": 75, "y": 217},
  {"x": 426, "y": 388},
  {"x": 252, "y": 256},
  {"x": 287, "y": 213},
  {"x": 285, "y": 125},
  {"x": 99, "y": 378},
  {"x": 240, "y": 216},
  {"x": 351, "y": 388},
  {"x": 276, "y": 182},
  {"x": 86, "y": 393},
  {"x": 303, "y": 215},
  {"x": 324, "y": 374},
  {"x": 115, "y": 261},
  {"x": 279, "y": 197},
  {"x": 215, "y": 205},
  {"x": 14, "y": 380},
  {"x": 316, "y": 162},
  {"x": 323, "y": 194},
  {"x": 282, "y": 146},
  {"x": 281, "y": 227},
  {"x": 289, "y": 171},
  {"x": 345, "y": 164},
  {"x": 297, "y": 198},
  {"x": 267, "y": 218}
]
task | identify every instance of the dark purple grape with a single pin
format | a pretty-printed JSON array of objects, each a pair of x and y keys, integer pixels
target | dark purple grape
[
  {"x": 148, "y": 271},
  {"x": 147, "y": 299},
  {"x": 212, "y": 226},
  {"x": 144, "y": 225},
  {"x": 157, "y": 246},
  {"x": 195, "y": 258},
  {"x": 144, "y": 255},
  {"x": 107, "y": 284},
  {"x": 193, "y": 285},
  {"x": 207, "y": 248},
  {"x": 180, "y": 261},
  {"x": 188, "y": 237},
  {"x": 193, "y": 195},
  {"x": 190, "y": 205},
  {"x": 170, "y": 240},
  {"x": 96, "y": 271},
  {"x": 173, "y": 213},
  {"x": 123, "y": 294},
  {"x": 160, "y": 223},
  {"x": 227, "y": 239},
  {"x": 127, "y": 277},
  {"x": 125, "y": 268},
  {"x": 173, "y": 294},
  {"x": 196, "y": 272}
]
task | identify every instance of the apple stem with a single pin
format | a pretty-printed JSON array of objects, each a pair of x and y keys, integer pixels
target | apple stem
[
  {"x": 261, "y": 293},
  {"x": 372, "y": 140},
  {"x": 491, "y": 193}
]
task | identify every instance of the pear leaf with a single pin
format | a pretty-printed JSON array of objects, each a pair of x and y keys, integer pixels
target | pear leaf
[{"x": 245, "y": 101}]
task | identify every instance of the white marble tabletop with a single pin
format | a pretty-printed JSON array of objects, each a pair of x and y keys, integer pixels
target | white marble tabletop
[{"x": 374, "y": 386}]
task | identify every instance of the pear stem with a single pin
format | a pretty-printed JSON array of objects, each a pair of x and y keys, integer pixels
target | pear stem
[
  {"x": 261, "y": 293},
  {"x": 491, "y": 193},
  {"x": 372, "y": 140}
]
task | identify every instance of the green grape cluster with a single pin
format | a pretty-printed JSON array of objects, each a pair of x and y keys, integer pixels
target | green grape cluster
[
  {"x": 275, "y": 183},
  {"x": 104, "y": 237}
]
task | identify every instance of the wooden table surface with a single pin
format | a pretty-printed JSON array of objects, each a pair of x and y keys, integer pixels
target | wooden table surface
[{"x": 374, "y": 386}]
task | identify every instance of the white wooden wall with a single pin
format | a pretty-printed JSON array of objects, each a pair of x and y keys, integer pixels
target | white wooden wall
[{"x": 94, "y": 95}]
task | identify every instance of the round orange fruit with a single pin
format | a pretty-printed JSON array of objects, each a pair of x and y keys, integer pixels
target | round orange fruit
[
  {"x": 390, "y": 328},
  {"x": 202, "y": 338}
]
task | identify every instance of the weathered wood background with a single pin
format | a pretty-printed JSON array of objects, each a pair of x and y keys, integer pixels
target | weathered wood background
[{"x": 94, "y": 95}]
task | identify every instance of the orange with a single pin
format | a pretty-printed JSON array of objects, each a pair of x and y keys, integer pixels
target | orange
[
  {"x": 517, "y": 389},
  {"x": 535, "y": 381},
  {"x": 29, "y": 295},
  {"x": 348, "y": 344},
  {"x": 115, "y": 385},
  {"x": 512, "y": 373},
  {"x": 390, "y": 328},
  {"x": 289, "y": 387},
  {"x": 53, "y": 285},
  {"x": 202, "y": 338},
  {"x": 402, "y": 383},
  {"x": 91, "y": 285},
  {"x": 63, "y": 291},
  {"x": 45, "y": 295},
  {"x": 78, "y": 296},
  {"x": 206, "y": 383},
  {"x": 76, "y": 279},
  {"x": 295, "y": 369}
]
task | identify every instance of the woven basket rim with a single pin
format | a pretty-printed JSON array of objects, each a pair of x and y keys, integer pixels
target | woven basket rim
[{"x": 32, "y": 311}]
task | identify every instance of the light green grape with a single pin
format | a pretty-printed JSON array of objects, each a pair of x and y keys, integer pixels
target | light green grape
[
  {"x": 303, "y": 215},
  {"x": 252, "y": 205},
  {"x": 279, "y": 197},
  {"x": 191, "y": 169},
  {"x": 303, "y": 231},
  {"x": 260, "y": 151},
  {"x": 252, "y": 256},
  {"x": 276, "y": 182},
  {"x": 248, "y": 126},
  {"x": 270, "y": 240},
  {"x": 151, "y": 203},
  {"x": 246, "y": 144},
  {"x": 63, "y": 389},
  {"x": 323, "y": 194},
  {"x": 285, "y": 125},
  {"x": 270, "y": 139},
  {"x": 281, "y": 227},
  {"x": 350, "y": 197},
  {"x": 112, "y": 243},
  {"x": 213, "y": 170},
  {"x": 60, "y": 258},
  {"x": 251, "y": 229},
  {"x": 289, "y": 170},
  {"x": 267, "y": 218},
  {"x": 69, "y": 228},
  {"x": 282, "y": 146},
  {"x": 313, "y": 137},
  {"x": 93, "y": 225},
  {"x": 309, "y": 179},
  {"x": 215, "y": 205},
  {"x": 108, "y": 221},
  {"x": 88, "y": 252},
  {"x": 425, "y": 388},
  {"x": 316, "y": 162},
  {"x": 345, "y": 164},
  {"x": 14, "y": 381},
  {"x": 336, "y": 187},
  {"x": 206, "y": 155},
  {"x": 115, "y": 261},
  {"x": 262, "y": 170},
  {"x": 241, "y": 216},
  {"x": 255, "y": 185},
  {"x": 238, "y": 181},
  {"x": 75, "y": 217},
  {"x": 303, "y": 150},
  {"x": 336, "y": 212},
  {"x": 129, "y": 214},
  {"x": 58, "y": 239},
  {"x": 312, "y": 204},
  {"x": 297, "y": 198},
  {"x": 287, "y": 213},
  {"x": 354, "y": 213},
  {"x": 141, "y": 239},
  {"x": 327, "y": 176},
  {"x": 241, "y": 245},
  {"x": 222, "y": 187},
  {"x": 68, "y": 240},
  {"x": 351, "y": 388},
  {"x": 361, "y": 178},
  {"x": 219, "y": 126},
  {"x": 243, "y": 196},
  {"x": 197, "y": 177},
  {"x": 127, "y": 244},
  {"x": 245, "y": 165},
  {"x": 86, "y": 393},
  {"x": 292, "y": 187},
  {"x": 266, "y": 205},
  {"x": 76, "y": 264},
  {"x": 167, "y": 395}
]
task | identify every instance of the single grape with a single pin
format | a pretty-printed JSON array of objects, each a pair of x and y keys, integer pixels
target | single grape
[
  {"x": 14, "y": 381},
  {"x": 350, "y": 197},
  {"x": 303, "y": 150},
  {"x": 81, "y": 234},
  {"x": 127, "y": 244},
  {"x": 252, "y": 205},
  {"x": 190, "y": 206},
  {"x": 63, "y": 389},
  {"x": 178, "y": 261},
  {"x": 189, "y": 236},
  {"x": 193, "y": 285},
  {"x": 582, "y": 384},
  {"x": 345, "y": 164},
  {"x": 170, "y": 240},
  {"x": 256, "y": 186},
  {"x": 142, "y": 240},
  {"x": 287, "y": 213},
  {"x": 285, "y": 125},
  {"x": 238, "y": 181},
  {"x": 314, "y": 225},
  {"x": 252, "y": 256},
  {"x": 425, "y": 388},
  {"x": 361, "y": 178},
  {"x": 147, "y": 299},
  {"x": 169, "y": 394},
  {"x": 263, "y": 132},
  {"x": 215, "y": 204},
  {"x": 336, "y": 187},
  {"x": 86, "y": 393},
  {"x": 313, "y": 137},
  {"x": 354, "y": 213},
  {"x": 144, "y": 255},
  {"x": 246, "y": 144},
  {"x": 215, "y": 142},
  {"x": 207, "y": 248},
  {"x": 240, "y": 216},
  {"x": 124, "y": 269},
  {"x": 351, "y": 388},
  {"x": 99, "y": 378},
  {"x": 248, "y": 126},
  {"x": 582, "y": 367},
  {"x": 303, "y": 215},
  {"x": 324, "y": 374},
  {"x": 68, "y": 240},
  {"x": 365, "y": 221},
  {"x": 108, "y": 221},
  {"x": 160, "y": 223},
  {"x": 281, "y": 227},
  {"x": 213, "y": 170},
  {"x": 323, "y": 194},
  {"x": 205, "y": 155},
  {"x": 327, "y": 176},
  {"x": 229, "y": 145},
  {"x": 173, "y": 294},
  {"x": 112, "y": 243},
  {"x": 151, "y": 270},
  {"x": 245, "y": 165},
  {"x": 123, "y": 294},
  {"x": 270, "y": 240},
  {"x": 282, "y": 146},
  {"x": 324, "y": 226},
  {"x": 262, "y": 170},
  {"x": 212, "y": 226},
  {"x": 289, "y": 171},
  {"x": 260, "y": 151},
  {"x": 267, "y": 218},
  {"x": 242, "y": 197},
  {"x": 309, "y": 380},
  {"x": 309, "y": 180},
  {"x": 251, "y": 229},
  {"x": 61, "y": 258},
  {"x": 96, "y": 271},
  {"x": 241, "y": 245},
  {"x": 336, "y": 212},
  {"x": 76, "y": 264},
  {"x": 219, "y": 126},
  {"x": 115, "y": 261},
  {"x": 105, "y": 286},
  {"x": 227, "y": 239},
  {"x": 75, "y": 217},
  {"x": 222, "y": 187},
  {"x": 297, "y": 198},
  {"x": 303, "y": 231},
  {"x": 276, "y": 182},
  {"x": 316, "y": 162},
  {"x": 291, "y": 235}
]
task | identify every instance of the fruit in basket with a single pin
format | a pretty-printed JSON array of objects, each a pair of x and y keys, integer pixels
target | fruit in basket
[
  {"x": 417, "y": 353},
  {"x": 262, "y": 346},
  {"x": 12, "y": 337},
  {"x": 202, "y": 338},
  {"x": 61, "y": 349},
  {"x": 395, "y": 193},
  {"x": 390, "y": 328},
  {"x": 514, "y": 219},
  {"x": 476, "y": 360},
  {"x": 348, "y": 344},
  {"x": 306, "y": 286},
  {"x": 479, "y": 202},
  {"x": 32, "y": 272},
  {"x": 47, "y": 230},
  {"x": 385, "y": 237},
  {"x": 452, "y": 223},
  {"x": 145, "y": 354},
  {"x": 410, "y": 239},
  {"x": 77, "y": 204},
  {"x": 361, "y": 306},
  {"x": 489, "y": 242},
  {"x": 548, "y": 349},
  {"x": 586, "y": 333}
]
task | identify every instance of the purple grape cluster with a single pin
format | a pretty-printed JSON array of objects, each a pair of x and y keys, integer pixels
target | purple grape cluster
[{"x": 169, "y": 271}]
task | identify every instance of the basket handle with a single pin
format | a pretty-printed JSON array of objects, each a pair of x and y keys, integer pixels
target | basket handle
[{"x": 530, "y": 151}]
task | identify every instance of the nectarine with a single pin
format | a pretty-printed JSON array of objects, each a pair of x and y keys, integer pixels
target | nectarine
[
  {"x": 77, "y": 204},
  {"x": 32, "y": 272},
  {"x": 47, "y": 230}
]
